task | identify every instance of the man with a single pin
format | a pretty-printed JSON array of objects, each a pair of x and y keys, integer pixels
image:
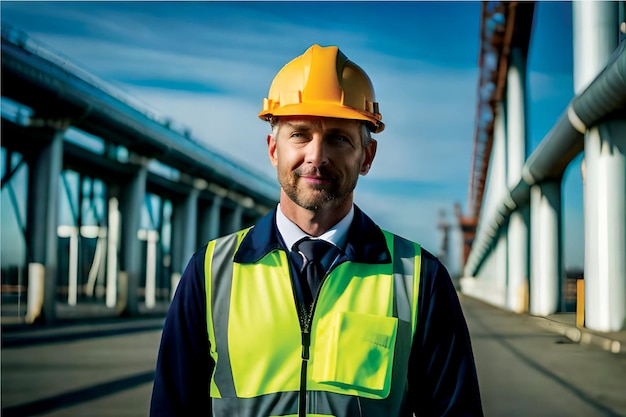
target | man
[{"x": 267, "y": 322}]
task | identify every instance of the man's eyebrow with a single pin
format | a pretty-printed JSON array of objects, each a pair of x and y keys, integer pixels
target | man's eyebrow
[{"x": 299, "y": 125}]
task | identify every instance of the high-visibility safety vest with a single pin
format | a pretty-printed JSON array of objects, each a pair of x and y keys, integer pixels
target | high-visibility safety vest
[{"x": 353, "y": 359}]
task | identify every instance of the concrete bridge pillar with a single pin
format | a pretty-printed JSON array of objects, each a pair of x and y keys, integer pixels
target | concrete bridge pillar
[
  {"x": 605, "y": 226},
  {"x": 131, "y": 202},
  {"x": 184, "y": 234},
  {"x": 596, "y": 35},
  {"x": 213, "y": 220},
  {"x": 517, "y": 232},
  {"x": 204, "y": 226},
  {"x": 233, "y": 219},
  {"x": 113, "y": 245},
  {"x": 546, "y": 270},
  {"x": 45, "y": 165},
  {"x": 497, "y": 190},
  {"x": 517, "y": 288}
]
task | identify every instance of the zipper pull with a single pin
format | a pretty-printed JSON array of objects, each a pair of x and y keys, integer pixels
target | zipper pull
[{"x": 306, "y": 343}]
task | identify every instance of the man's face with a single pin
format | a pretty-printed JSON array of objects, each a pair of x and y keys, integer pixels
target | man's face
[{"x": 319, "y": 159}]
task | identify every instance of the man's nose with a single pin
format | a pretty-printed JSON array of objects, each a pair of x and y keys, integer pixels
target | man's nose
[{"x": 316, "y": 152}]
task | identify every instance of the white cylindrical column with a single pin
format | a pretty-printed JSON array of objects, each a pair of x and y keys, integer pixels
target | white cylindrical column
[
  {"x": 152, "y": 238},
  {"x": 517, "y": 288},
  {"x": 517, "y": 233},
  {"x": 72, "y": 285},
  {"x": 497, "y": 182},
  {"x": 605, "y": 226},
  {"x": 113, "y": 236},
  {"x": 516, "y": 117},
  {"x": 546, "y": 269},
  {"x": 35, "y": 294},
  {"x": 596, "y": 33}
]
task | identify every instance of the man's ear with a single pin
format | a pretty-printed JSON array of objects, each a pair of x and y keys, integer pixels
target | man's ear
[
  {"x": 271, "y": 150},
  {"x": 370, "y": 153}
]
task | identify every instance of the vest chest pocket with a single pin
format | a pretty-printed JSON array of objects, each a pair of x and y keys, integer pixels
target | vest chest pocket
[{"x": 354, "y": 354}]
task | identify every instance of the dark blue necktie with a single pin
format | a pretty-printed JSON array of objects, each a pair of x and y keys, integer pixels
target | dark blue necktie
[{"x": 318, "y": 257}]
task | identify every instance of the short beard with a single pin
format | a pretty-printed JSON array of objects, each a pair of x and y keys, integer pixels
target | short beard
[{"x": 327, "y": 199}]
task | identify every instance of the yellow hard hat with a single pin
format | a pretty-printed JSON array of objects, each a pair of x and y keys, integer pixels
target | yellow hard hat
[{"x": 323, "y": 82}]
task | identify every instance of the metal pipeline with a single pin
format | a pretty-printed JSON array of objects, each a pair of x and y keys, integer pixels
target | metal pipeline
[{"x": 604, "y": 97}]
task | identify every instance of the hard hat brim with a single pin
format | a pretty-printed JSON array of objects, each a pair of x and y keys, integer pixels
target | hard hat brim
[{"x": 325, "y": 110}]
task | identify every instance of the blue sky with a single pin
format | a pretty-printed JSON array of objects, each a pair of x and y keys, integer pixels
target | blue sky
[{"x": 208, "y": 65}]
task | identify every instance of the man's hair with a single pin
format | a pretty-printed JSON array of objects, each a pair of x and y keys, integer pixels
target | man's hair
[{"x": 366, "y": 133}]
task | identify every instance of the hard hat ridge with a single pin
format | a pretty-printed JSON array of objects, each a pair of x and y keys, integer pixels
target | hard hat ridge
[{"x": 323, "y": 82}]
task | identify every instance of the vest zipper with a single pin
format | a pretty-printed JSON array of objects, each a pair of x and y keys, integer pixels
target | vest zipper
[
  {"x": 306, "y": 320},
  {"x": 306, "y": 343}
]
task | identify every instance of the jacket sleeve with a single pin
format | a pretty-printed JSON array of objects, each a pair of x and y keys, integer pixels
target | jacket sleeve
[
  {"x": 184, "y": 367},
  {"x": 442, "y": 374}
]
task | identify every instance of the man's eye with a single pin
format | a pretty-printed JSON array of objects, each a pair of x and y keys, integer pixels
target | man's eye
[{"x": 341, "y": 139}]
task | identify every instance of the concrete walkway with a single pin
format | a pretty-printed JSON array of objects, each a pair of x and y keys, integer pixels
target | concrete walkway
[
  {"x": 527, "y": 366},
  {"x": 105, "y": 367}
]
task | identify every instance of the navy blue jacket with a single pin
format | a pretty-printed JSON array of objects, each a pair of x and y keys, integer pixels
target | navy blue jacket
[{"x": 442, "y": 375}]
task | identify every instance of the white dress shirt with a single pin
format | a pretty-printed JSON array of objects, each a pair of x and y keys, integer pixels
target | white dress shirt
[{"x": 291, "y": 233}]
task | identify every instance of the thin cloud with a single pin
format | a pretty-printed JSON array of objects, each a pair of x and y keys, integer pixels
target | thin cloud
[{"x": 207, "y": 66}]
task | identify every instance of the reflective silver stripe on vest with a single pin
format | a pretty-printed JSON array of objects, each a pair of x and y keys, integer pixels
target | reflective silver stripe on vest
[
  {"x": 222, "y": 267},
  {"x": 403, "y": 270},
  {"x": 286, "y": 403}
]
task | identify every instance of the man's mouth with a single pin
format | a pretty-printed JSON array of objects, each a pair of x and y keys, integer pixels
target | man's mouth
[
  {"x": 316, "y": 177},
  {"x": 316, "y": 180}
]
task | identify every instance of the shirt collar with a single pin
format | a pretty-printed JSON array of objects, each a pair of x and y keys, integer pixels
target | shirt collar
[
  {"x": 291, "y": 233},
  {"x": 365, "y": 242}
]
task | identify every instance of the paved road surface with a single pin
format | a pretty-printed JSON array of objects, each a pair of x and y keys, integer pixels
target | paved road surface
[
  {"x": 525, "y": 370},
  {"x": 101, "y": 370},
  {"x": 106, "y": 369}
]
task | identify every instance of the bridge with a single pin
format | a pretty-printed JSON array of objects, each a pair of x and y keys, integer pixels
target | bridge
[
  {"x": 138, "y": 194},
  {"x": 512, "y": 235}
]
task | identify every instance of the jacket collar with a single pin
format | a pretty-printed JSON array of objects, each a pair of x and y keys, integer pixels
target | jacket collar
[{"x": 365, "y": 244}]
